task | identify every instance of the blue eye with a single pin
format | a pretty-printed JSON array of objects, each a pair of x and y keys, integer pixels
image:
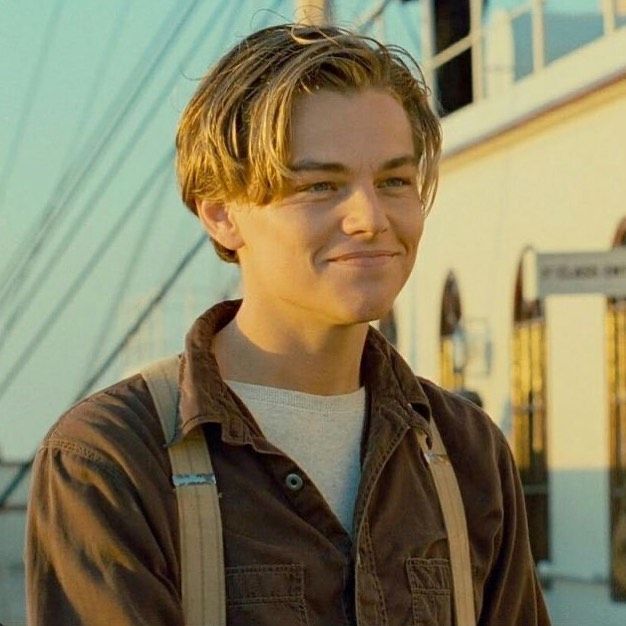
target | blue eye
[
  {"x": 319, "y": 187},
  {"x": 395, "y": 182}
]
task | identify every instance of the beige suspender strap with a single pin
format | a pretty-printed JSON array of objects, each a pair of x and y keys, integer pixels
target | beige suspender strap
[
  {"x": 456, "y": 526},
  {"x": 201, "y": 545}
]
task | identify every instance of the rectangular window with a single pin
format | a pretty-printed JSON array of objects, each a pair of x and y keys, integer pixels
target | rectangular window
[
  {"x": 450, "y": 55},
  {"x": 476, "y": 48},
  {"x": 570, "y": 27}
]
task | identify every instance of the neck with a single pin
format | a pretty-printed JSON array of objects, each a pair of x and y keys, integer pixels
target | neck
[{"x": 314, "y": 358}]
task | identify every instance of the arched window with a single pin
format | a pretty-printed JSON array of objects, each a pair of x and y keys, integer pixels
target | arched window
[
  {"x": 452, "y": 355},
  {"x": 529, "y": 411},
  {"x": 616, "y": 362}
]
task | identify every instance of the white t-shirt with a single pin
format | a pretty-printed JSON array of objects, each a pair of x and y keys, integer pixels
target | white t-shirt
[{"x": 322, "y": 434}]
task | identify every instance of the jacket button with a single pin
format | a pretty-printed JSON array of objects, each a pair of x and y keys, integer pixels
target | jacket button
[{"x": 294, "y": 482}]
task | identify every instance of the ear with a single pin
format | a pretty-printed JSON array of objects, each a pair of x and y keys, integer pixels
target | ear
[{"x": 217, "y": 219}]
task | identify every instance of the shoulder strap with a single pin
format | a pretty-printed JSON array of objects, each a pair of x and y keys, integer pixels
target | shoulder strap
[
  {"x": 200, "y": 524},
  {"x": 456, "y": 526}
]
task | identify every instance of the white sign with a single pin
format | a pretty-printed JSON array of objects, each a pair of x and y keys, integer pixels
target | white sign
[{"x": 582, "y": 272}]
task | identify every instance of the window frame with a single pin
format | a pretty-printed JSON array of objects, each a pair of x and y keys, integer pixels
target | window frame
[
  {"x": 616, "y": 383},
  {"x": 451, "y": 376},
  {"x": 529, "y": 413}
]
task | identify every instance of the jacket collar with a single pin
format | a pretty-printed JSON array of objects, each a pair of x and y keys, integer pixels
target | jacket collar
[
  {"x": 205, "y": 397},
  {"x": 391, "y": 384}
]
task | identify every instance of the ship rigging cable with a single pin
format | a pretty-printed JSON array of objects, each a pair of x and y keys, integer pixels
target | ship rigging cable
[
  {"x": 165, "y": 288},
  {"x": 97, "y": 195},
  {"x": 150, "y": 220},
  {"x": 74, "y": 177},
  {"x": 30, "y": 99},
  {"x": 143, "y": 316},
  {"x": 74, "y": 287}
]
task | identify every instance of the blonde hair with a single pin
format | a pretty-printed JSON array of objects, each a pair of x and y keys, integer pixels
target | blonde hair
[{"x": 233, "y": 139}]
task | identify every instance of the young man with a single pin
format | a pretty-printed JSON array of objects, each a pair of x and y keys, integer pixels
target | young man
[{"x": 310, "y": 157}]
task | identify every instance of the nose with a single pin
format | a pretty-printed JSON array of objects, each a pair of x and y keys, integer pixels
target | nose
[{"x": 365, "y": 213}]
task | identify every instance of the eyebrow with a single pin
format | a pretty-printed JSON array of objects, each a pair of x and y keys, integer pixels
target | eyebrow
[{"x": 310, "y": 165}]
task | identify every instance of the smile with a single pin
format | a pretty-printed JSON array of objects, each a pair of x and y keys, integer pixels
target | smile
[{"x": 365, "y": 258}]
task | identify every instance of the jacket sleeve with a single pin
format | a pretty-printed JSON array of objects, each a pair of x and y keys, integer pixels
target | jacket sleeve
[
  {"x": 92, "y": 557},
  {"x": 512, "y": 593}
]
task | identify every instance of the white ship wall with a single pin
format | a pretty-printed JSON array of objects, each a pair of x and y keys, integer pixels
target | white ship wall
[{"x": 542, "y": 164}]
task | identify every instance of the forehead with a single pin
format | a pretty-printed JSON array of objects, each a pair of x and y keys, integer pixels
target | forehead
[{"x": 359, "y": 128}]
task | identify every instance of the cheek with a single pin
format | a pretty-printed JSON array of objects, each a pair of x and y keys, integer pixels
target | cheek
[
  {"x": 276, "y": 244},
  {"x": 410, "y": 227}
]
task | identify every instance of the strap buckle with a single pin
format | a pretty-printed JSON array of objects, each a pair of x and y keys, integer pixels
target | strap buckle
[
  {"x": 433, "y": 458},
  {"x": 190, "y": 480}
]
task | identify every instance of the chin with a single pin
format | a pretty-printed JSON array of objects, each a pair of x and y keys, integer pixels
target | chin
[{"x": 365, "y": 312}]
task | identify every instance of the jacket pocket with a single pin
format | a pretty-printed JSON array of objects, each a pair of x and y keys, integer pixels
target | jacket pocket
[
  {"x": 430, "y": 581},
  {"x": 266, "y": 595}
]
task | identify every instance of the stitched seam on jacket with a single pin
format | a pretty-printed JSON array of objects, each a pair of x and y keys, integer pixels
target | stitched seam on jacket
[
  {"x": 381, "y": 608},
  {"x": 419, "y": 591},
  {"x": 415, "y": 563},
  {"x": 294, "y": 568},
  {"x": 295, "y": 598},
  {"x": 261, "y": 599},
  {"x": 87, "y": 454},
  {"x": 295, "y": 581},
  {"x": 374, "y": 474}
]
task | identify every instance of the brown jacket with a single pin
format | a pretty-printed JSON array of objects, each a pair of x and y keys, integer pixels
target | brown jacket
[{"x": 102, "y": 535}]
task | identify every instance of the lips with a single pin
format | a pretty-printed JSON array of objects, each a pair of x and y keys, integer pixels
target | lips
[
  {"x": 364, "y": 254},
  {"x": 364, "y": 258}
]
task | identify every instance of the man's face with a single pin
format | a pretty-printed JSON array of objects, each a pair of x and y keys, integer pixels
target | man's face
[{"x": 341, "y": 243}]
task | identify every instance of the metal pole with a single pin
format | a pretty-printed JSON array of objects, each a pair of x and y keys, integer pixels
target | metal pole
[
  {"x": 314, "y": 12},
  {"x": 478, "y": 63},
  {"x": 608, "y": 15},
  {"x": 379, "y": 27},
  {"x": 364, "y": 21},
  {"x": 538, "y": 35},
  {"x": 428, "y": 50}
]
